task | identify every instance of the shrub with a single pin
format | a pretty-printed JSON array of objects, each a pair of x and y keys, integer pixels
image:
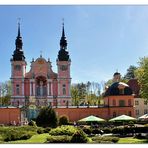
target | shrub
[
  {"x": 32, "y": 123},
  {"x": 63, "y": 130},
  {"x": 47, "y": 118},
  {"x": 105, "y": 139},
  {"x": 17, "y": 133},
  {"x": 58, "y": 139},
  {"x": 47, "y": 130},
  {"x": 87, "y": 130},
  {"x": 79, "y": 137},
  {"x": 63, "y": 120},
  {"x": 40, "y": 130},
  {"x": 96, "y": 131},
  {"x": 107, "y": 130}
]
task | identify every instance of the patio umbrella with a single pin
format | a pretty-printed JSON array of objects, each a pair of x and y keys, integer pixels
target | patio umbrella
[
  {"x": 144, "y": 117},
  {"x": 91, "y": 119},
  {"x": 123, "y": 118}
]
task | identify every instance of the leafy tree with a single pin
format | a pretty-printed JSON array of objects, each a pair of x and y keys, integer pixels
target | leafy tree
[
  {"x": 130, "y": 72},
  {"x": 63, "y": 120},
  {"x": 5, "y": 93},
  {"x": 47, "y": 118},
  {"x": 74, "y": 95},
  {"x": 142, "y": 76}
]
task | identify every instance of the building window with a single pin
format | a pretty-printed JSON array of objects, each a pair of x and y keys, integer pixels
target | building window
[
  {"x": 145, "y": 111},
  {"x": 145, "y": 102},
  {"x": 114, "y": 114},
  {"x": 64, "y": 89},
  {"x": 121, "y": 91},
  {"x": 137, "y": 112},
  {"x": 114, "y": 102},
  {"x": 17, "y": 89},
  {"x": 121, "y": 103},
  {"x": 136, "y": 102},
  {"x": 129, "y": 113},
  {"x": 17, "y": 67},
  {"x": 129, "y": 102}
]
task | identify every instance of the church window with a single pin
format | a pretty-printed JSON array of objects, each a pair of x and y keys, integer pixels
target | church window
[
  {"x": 136, "y": 102},
  {"x": 145, "y": 102},
  {"x": 114, "y": 114},
  {"x": 17, "y": 67},
  {"x": 63, "y": 67},
  {"x": 121, "y": 91},
  {"x": 145, "y": 111},
  {"x": 17, "y": 89},
  {"x": 129, "y": 113},
  {"x": 114, "y": 102},
  {"x": 137, "y": 112},
  {"x": 129, "y": 102},
  {"x": 64, "y": 89},
  {"x": 121, "y": 103}
]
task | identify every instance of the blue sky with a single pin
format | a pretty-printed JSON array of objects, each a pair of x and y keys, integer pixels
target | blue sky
[{"x": 101, "y": 39}]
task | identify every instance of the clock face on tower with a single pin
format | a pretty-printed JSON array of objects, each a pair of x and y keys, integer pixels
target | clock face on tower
[
  {"x": 63, "y": 67},
  {"x": 17, "y": 67}
]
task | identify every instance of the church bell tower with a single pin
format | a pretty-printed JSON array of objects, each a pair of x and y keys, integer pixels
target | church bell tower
[
  {"x": 64, "y": 78},
  {"x": 18, "y": 70}
]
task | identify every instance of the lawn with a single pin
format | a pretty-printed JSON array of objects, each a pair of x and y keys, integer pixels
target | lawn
[
  {"x": 131, "y": 140},
  {"x": 40, "y": 138}
]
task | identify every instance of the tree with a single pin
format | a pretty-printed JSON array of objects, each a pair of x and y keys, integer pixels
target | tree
[
  {"x": 142, "y": 76},
  {"x": 63, "y": 120},
  {"x": 47, "y": 118},
  {"x": 5, "y": 93},
  {"x": 74, "y": 95},
  {"x": 130, "y": 72}
]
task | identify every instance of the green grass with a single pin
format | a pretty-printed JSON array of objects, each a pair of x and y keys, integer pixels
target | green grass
[
  {"x": 131, "y": 140},
  {"x": 40, "y": 138}
]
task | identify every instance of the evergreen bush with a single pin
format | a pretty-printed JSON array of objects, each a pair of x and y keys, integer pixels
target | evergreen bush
[
  {"x": 79, "y": 137},
  {"x": 63, "y": 120},
  {"x": 59, "y": 139},
  {"x": 47, "y": 118},
  {"x": 63, "y": 130}
]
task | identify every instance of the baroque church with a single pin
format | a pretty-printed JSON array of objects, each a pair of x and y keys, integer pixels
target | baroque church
[{"x": 40, "y": 86}]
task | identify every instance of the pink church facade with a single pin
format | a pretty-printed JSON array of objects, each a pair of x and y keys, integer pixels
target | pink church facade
[{"x": 40, "y": 86}]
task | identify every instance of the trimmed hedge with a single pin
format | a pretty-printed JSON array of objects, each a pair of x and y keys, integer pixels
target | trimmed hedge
[
  {"x": 105, "y": 139},
  {"x": 63, "y": 130},
  {"x": 79, "y": 137},
  {"x": 59, "y": 139}
]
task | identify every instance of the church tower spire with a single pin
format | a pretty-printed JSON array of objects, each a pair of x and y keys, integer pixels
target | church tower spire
[
  {"x": 63, "y": 53},
  {"x": 18, "y": 52}
]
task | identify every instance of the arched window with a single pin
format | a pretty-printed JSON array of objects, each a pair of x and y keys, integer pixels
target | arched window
[
  {"x": 114, "y": 102},
  {"x": 129, "y": 102},
  {"x": 64, "y": 89},
  {"x": 17, "y": 89},
  {"x": 114, "y": 114}
]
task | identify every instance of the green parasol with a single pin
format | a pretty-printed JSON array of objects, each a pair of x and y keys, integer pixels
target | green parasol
[
  {"x": 91, "y": 119},
  {"x": 123, "y": 118}
]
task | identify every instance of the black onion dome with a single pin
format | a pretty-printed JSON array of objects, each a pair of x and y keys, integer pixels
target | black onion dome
[
  {"x": 63, "y": 54},
  {"x": 113, "y": 90},
  {"x": 116, "y": 73}
]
